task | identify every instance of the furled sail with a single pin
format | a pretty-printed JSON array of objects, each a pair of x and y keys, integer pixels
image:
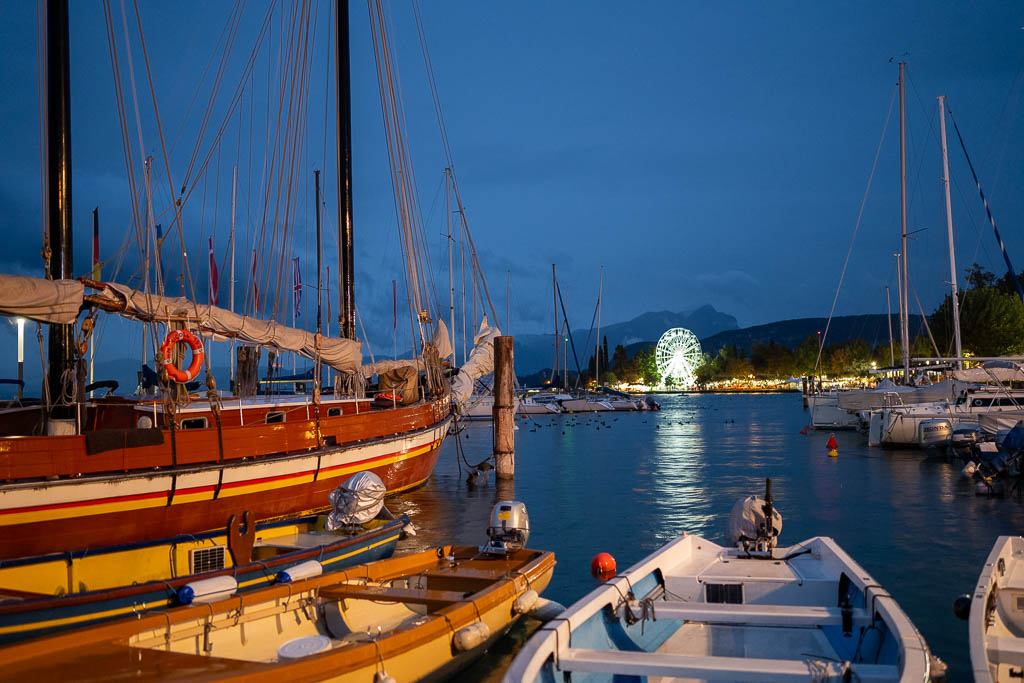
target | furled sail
[
  {"x": 441, "y": 340},
  {"x": 45, "y": 301},
  {"x": 217, "y": 323},
  {"x": 479, "y": 363}
]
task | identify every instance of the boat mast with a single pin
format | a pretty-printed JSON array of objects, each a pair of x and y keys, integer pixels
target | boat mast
[
  {"x": 451, "y": 272},
  {"x": 888, "y": 317},
  {"x": 319, "y": 298},
  {"x": 597, "y": 343},
  {"x": 904, "y": 299},
  {"x": 346, "y": 278},
  {"x": 554, "y": 296},
  {"x": 231, "y": 294},
  {"x": 60, "y": 265},
  {"x": 949, "y": 230}
]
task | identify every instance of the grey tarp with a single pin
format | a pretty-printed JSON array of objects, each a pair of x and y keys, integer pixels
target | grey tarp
[
  {"x": 344, "y": 355},
  {"x": 45, "y": 301}
]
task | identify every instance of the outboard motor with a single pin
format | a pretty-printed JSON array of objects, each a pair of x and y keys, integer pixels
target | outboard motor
[
  {"x": 509, "y": 528},
  {"x": 755, "y": 524}
]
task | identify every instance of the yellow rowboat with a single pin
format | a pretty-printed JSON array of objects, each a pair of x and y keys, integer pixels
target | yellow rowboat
[{"x": 417, "y": 617}]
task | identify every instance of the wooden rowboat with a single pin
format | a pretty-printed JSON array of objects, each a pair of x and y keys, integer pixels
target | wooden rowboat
[
  {"x": 42, "y": 595},
  {"x": 996, "y": 619},
  {"x": 699, "y": 611},
  {"x": 417, "y": 617}
]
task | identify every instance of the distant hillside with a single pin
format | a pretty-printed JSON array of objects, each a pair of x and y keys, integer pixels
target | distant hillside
[
  {"x": 872, "y": 328},
  {"x": 534, "y": 352}
]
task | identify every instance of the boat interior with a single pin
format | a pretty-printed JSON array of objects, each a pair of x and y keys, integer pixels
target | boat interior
[
  {"x": 1004, "y": 612},
  {"x": 725, "y": 614}
]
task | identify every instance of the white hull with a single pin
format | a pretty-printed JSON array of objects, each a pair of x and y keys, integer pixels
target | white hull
[
  {"x": 694, "y": 610},
  {"x": 826, "y": 413},
  {"x": 530, "y": 407},
  {"x": 997, "y": 614},
  {"x": 584, "y": 405},
  {"x": 481, "y": 407}
]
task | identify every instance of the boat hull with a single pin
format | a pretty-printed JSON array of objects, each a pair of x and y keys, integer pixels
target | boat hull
[
  {"x": 33, "y": 617},
  {"x": 697, "y": 611},
  {"x": 996, "y": 615},
  {"x": 37, "y": 518},
  {"x": 244, "y": 637}
]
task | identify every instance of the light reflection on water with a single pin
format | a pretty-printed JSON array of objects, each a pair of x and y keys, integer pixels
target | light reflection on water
[{"x": 626, "y": 483}]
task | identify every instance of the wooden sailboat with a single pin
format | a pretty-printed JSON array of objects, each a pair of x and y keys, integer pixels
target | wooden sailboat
[{"x": 115, "y": 471}]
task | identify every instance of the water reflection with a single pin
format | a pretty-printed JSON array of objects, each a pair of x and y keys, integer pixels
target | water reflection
[{"x": 626, "y": 483}]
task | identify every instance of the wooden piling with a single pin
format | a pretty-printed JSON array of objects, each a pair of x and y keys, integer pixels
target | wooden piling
[{"x": 504, "y": 410}]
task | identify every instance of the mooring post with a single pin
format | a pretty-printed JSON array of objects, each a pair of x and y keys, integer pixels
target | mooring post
[{"x": 504, "y": 410}]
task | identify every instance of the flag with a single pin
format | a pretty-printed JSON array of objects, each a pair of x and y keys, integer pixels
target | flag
[
  {"x": 213, "y": 276},
  {"x": 159, "y": 243},
  {"x": 255, "y": 286},
  {"x": 96, "y": 244},
  {"x": 297, "y": 287}
]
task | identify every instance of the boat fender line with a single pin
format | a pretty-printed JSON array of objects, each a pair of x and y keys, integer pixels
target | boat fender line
[
  {"x": 525, "y": 602},
  {"x": 545, "y": 610},
  {"x": 167, "y": 348},
  {"x": 303, "y": 570},
  {"x": 471, "y": 637},
  {"x": 383, "y": 677},
  {"x": 207, "y": 590}
]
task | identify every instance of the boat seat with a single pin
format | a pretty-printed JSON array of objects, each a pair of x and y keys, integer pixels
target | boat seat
[
  {"x": 1005, "y": 650},
  {"x": 433, "y": 599},
  {"x": 628, "y": 663},
  {"x": 753, "y": 615}
]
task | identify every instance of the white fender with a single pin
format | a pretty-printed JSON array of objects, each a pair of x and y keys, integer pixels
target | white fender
[
  {"x": 545, "y": 610},
  {"x": 524, "y": 602},
  {"x": 472, "y": 636}
]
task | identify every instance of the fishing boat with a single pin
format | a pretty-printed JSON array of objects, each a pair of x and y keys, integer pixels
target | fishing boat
[
  {"x": 996, "y": 618},
  {"x": 417, "y": 617},
  {"x": 697, "y": 610},
  {"x": 78, "y": 472},
  {"x": 42, "y": 595}
]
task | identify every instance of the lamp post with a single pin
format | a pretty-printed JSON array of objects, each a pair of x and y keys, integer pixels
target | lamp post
[{"x": 21, "y": 356}]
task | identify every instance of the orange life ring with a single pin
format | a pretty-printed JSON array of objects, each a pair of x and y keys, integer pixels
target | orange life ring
[{"x": 174, "y": 372}]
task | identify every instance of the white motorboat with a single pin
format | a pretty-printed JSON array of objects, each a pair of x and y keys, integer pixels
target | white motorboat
[
  {"x": 529, "y": 406},
  {"x": 694, "y": 610},
  {"x": 481, "y": 407},
  {"x": 996, "y": 621},
  {"x": 586, "y": 404}
]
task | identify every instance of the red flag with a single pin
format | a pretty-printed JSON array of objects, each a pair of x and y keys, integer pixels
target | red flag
[
  {"x": 213, "y": 276},
  {"x": 297, "y": 287},
  {"x": 255, "y": 286},
  {"x": 95, "y": 244}
]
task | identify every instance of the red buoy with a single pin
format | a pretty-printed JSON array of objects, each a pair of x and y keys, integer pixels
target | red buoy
[
  {"x": 804, "y": 430},
  {"x": 832, "y": 445},
  {"x": 602, "y": 566}
]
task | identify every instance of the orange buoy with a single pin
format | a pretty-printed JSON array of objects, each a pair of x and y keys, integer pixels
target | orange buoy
[{"x": 602, "y": 566}]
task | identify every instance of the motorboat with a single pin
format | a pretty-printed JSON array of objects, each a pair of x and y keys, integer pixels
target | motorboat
[
  {"x": 996, "y": 621},
  {"x": 695, "y": 610}
]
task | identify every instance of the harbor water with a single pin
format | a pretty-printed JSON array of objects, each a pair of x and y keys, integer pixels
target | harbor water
[{"x": 626, "y": 483}]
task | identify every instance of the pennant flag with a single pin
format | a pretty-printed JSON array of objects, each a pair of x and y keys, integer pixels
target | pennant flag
[
  {"x": 255, "y": 286},
  {"x": 297, "y": 288},
  {"x": 96, "y": 244},
  {"x": 214, "y": 280}
]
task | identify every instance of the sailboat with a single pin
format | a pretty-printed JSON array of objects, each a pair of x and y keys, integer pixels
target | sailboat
[{"x": 78, "y": 472}]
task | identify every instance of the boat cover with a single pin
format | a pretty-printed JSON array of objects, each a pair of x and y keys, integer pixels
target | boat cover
[
  {"x": 358, "y": 500},
  {"x": 998, "y": 370},
  {"x": 747, "y": 518},
  {"x": 344, "y": 355},
  {"x": 45, "y": 301},
  {"x": 479, "y": 363},
  {"x": 874, "y": 399},
  {"x": 997, "y": 420}
]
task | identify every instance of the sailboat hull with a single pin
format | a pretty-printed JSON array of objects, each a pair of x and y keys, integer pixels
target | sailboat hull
[{"x": 44, "y": 516}]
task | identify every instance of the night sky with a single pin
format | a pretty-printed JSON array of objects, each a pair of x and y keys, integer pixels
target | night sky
[{"x": 703, "y": 153}]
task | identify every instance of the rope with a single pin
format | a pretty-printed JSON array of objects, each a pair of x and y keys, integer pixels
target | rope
[{"x": 856, "y": 228}]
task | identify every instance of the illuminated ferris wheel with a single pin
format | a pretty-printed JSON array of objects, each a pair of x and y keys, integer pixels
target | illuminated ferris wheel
[{"x": 678, "y": 356}]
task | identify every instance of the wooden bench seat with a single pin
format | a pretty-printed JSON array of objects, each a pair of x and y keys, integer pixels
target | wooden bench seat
[
  {"x": 433, "y": 599},
  {"x": 704, "y": 667},
  {"x": 753, "y": 615}
]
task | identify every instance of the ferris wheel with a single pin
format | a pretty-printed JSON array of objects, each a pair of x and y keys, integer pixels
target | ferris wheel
[{"x": 678, "y": 355}]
